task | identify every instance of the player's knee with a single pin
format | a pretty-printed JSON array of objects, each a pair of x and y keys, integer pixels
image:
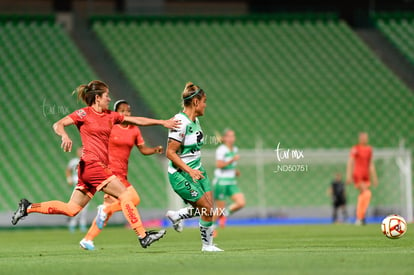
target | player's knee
[
  {"x": 73, "y": 209},
  {"x": 126, "y": 196},
  {"x": 241, "y": 203},
  {"x": 136, "y": 199},
  {"x": 206, "y": 210}
]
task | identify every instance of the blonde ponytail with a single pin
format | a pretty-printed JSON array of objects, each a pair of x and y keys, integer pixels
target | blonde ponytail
[{"x": 190, "y": 92}]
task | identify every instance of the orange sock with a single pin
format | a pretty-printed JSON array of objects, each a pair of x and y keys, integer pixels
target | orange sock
[
  {"x": 94, "y": 230},
  {"x": 116, "y": 206},
  {"x": 55, "y": 207},
  {"x": 363, "y": 202},
  {"x": 131, "y": 214},
  {"x": 113, "y": 207}
]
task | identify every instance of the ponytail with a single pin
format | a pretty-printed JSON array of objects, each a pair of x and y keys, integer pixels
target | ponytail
[
  {"x": 190, "y": 92},
  {"x": 87, "y": 93}
]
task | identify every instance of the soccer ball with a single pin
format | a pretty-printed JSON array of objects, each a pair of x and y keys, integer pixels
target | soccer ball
[{"x": 394, "y": 226}]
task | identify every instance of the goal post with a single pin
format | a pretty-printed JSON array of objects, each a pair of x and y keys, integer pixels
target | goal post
[{"x": 289, "y": 182}]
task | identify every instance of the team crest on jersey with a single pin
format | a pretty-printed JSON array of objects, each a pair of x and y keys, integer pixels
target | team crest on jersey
[
  {"x": 81, "y": 113},
  {"x": 200, "y": 136},
  {"x": 193, "y": 193}
]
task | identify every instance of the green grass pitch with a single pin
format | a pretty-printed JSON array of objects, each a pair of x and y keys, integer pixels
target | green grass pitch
[{"x": 312, "y": 249}]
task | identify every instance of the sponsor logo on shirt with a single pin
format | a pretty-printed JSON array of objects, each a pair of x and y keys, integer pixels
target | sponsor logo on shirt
[{"x": 81, "y": 113}]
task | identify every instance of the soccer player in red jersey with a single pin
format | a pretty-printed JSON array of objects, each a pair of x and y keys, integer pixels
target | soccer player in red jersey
[
  {"x": 94, "y": 123},
  {"x": 361, "y": 170},
  {"x": 122, "y": 140}
]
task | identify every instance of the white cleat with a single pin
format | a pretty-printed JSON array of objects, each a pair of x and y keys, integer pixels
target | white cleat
[
  {"x": 101, "y": 217},
  {"x": 176, "y": 223},
  {"x": 87, "y": 245},
  {"x": 211, "y": 248}
]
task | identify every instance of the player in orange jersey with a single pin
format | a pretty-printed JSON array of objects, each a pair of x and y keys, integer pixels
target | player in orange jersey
[
  {"x": 122, "y": 140},
  {"x": 94, "y": 123},
  {"x": 361, "y": 170}
]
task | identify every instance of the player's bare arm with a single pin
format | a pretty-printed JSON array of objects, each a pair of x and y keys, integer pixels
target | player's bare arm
[
  {"x": 145, "y": 150},
  {"x": 373, "y": 174},
  {"x": 144, "y": 121},
  {"x": 171, "y": 153},
  {"x": 349, "y": 169},
  {"x": 59, "y": 128},
  {"x": 221, "y": 163}
]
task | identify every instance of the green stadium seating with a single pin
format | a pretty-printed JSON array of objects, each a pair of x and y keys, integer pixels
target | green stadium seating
[
  {"x": 40, "y": 68},
  {"x": 309, "y": 82},
  {"x": 399, "y": 29}
]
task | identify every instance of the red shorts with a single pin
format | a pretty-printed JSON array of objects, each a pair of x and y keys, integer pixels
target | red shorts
[
  {"x": 93, "y": 176},
  {"x": 359, "y": 178}
]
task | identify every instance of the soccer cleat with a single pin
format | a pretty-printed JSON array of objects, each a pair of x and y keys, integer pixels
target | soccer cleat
[
  {"x": 176, "y": 223},
  {"x": 101, "y": 217},
  {"x": 152, "y": 236},
  {"x": 21, "y": 211},
  {"x": 211, "y": 248},
  {"x": 87, "y": 245}
]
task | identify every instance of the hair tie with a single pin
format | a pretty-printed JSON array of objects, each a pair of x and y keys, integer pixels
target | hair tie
[{"x": 193, "y": 95}]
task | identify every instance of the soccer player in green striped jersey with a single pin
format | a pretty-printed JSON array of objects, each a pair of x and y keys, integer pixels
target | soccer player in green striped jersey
[
  {"x": 225, "y": 181},
  {"x": 187, "y": 176}
]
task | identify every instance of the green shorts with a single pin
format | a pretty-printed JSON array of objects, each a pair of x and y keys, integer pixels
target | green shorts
[
  {"x": 189, "y": 191},
  {"x": 225, "y": 188}
]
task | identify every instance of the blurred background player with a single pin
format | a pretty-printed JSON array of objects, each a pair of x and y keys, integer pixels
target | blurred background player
[
  {"x": 361, "y": 170},
  {"x": 122, "y": 140},
  {"x": 187, "y": 176},
  {"x": 337, "y": 192},
  {"x": 72, "y": 180},
  {"x": 225, "y": 181}
]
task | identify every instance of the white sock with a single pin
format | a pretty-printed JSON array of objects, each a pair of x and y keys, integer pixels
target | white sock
[
  {"x": 184, "y": 213},
  {"x": 206, "y": 234}
]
